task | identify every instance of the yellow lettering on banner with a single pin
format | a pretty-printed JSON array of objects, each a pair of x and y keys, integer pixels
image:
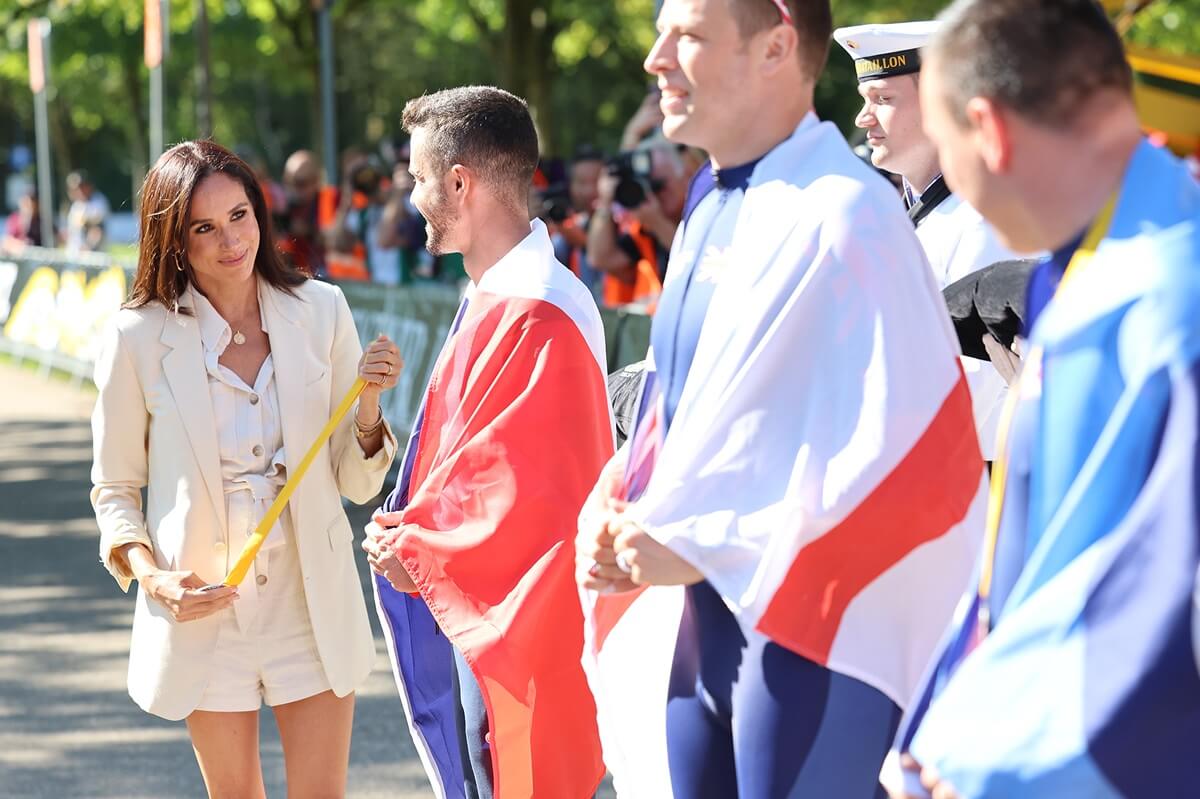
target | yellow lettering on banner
[
  {"x": 865, "y": 65},
  {"x": 84, "y": 307},
  {"x": 66, "y": 312},
  {"x": 32, "y": 320}
]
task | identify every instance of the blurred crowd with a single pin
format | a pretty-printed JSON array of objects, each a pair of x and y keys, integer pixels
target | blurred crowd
[
  {"x": 82, "y": 227},
  {"x": 612, "y": 216}
]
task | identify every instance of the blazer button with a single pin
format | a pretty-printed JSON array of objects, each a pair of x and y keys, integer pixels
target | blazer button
[
  {"x": 258, "y": 450},
  {"x": 220, "y": 546},
  {"x": 253, "y": 399},
  {"x": 261, "y": 579}
]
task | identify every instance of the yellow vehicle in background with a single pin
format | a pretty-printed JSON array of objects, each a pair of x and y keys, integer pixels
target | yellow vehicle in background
[{"x": 1167, "y": 88}]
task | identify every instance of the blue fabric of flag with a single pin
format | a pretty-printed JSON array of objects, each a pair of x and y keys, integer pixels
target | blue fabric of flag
[
  {"x": 1088, "y": 684},
  {"x": 424, "y": 656},
  {"x": 1044, "y": 280},
  {"x": 714, "y": 200}
]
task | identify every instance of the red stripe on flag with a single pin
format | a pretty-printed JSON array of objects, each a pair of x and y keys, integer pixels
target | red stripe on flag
[
  {"x": 608, "y": 611},
  {"x": 647, "y": 443},
  {"x": 922, "y": 499},
  {"x": 488, "y": 535}
]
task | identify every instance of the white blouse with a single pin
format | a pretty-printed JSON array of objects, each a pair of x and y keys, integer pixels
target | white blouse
[{"x": 249, "y": 435}]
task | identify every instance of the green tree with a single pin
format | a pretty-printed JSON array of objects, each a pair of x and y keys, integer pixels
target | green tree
[{"x": 578, "y": 62}]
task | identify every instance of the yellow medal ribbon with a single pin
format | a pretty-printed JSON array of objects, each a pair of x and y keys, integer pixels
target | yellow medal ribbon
[
  {"x": 1082, "y": 257},
  {"x": 255, "y": 541}
]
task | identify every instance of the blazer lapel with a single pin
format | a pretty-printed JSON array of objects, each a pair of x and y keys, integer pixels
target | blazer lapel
[
  {"x": 183, "y": 367},
  {"x": 288, "y": 350}
]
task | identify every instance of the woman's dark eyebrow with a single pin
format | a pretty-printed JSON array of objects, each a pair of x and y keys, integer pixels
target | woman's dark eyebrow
[{"x": 231, "y": 210}]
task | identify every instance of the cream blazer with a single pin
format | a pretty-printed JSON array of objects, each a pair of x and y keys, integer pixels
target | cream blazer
[{"x": 153, "y": 427}]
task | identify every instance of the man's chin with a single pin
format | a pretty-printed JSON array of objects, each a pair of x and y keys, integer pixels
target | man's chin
[
  {"x": 440, "y": 248},
  {"x": 675, "y": 127}
]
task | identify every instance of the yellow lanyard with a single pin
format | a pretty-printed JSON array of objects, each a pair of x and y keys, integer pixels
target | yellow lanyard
[
  {"x": 255, "y": 541},
  {"x": 1083, "y": 255}
]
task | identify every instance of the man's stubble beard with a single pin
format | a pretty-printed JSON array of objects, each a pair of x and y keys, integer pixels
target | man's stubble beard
[{"x": 438, "y": 222}]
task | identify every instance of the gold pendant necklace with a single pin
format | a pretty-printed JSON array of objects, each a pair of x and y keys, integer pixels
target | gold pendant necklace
[{"x": 238, "y": 338}]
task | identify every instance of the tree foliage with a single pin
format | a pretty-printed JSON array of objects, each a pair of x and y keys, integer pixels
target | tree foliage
[{"x": 578, "y": 62}]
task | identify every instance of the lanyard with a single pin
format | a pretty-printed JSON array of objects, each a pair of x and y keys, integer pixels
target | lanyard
[
  {"x": 1079, "y": 261},
  {"x": 255, "y": 541}
]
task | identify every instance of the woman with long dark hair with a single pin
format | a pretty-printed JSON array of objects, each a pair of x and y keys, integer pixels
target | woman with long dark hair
[{"x": 214, "y": 379}]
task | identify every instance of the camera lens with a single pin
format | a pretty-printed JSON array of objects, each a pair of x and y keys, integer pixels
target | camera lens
[
  {"x": 556, "y": 209},
  {"x": 630, "y": 192}
]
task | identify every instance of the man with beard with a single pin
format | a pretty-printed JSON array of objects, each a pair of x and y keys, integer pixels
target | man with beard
[
  {"x": 472, "y": 551},
  {"x": 1071, "y": 671}
]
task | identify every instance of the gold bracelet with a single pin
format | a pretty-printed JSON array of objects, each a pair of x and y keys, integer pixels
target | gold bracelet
[{"x": 367, "y": 432}]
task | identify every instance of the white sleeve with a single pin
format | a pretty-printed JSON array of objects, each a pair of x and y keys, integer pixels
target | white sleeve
[{"x": 120, "y": 425}]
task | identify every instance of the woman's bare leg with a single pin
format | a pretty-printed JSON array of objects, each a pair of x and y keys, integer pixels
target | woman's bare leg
[
  {"x": 315, "y": 733},
  {"x": 226, "y": 746}
]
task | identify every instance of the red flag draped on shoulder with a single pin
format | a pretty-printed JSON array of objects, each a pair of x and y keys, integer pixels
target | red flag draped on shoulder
[{"x": 517, "y": 427}]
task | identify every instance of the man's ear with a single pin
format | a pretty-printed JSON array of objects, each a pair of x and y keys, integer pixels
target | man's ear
[
  {"x": 779, "y": 48},
  {"x": 460, "y": 182},
  {"x": 993, "y": 131}
]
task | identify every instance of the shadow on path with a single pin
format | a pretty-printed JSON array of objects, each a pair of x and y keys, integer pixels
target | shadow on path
[{"x": 67, "y": 725}]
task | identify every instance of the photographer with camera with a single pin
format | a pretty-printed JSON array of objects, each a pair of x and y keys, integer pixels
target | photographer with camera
[
  {"x": 639, "y": 205},
  {"x": 356, "y": 251},
  {"x": 566, "y": 207},
  {"x": 402, "y": 227},
  {"x": 297, "y": 232}
]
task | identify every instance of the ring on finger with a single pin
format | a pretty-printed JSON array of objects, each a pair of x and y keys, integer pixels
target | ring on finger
[
  {"x": 623, "y": 563},
  {"x": 389, "y": 371}
]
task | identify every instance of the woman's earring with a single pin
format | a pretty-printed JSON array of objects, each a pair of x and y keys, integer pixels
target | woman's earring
[{"x": 178, "y": 263}]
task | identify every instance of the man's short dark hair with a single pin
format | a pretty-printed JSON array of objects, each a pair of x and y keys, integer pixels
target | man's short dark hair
[
  {"x": 812, "y": 19},
  {"x": 1040, "y": 58},
  {"x": 483, "y": 128}
]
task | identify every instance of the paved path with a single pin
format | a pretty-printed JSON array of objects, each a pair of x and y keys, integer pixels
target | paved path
[{"x": 67, "y": 727}]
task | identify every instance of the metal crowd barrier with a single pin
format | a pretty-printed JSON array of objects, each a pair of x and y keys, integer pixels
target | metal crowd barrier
[{"x": 54, "y": 305}]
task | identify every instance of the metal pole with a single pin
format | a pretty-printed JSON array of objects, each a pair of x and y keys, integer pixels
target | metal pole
[
  {"x": 39, "y": 44},
  {"x": 45, "y": 198},
  {"x": 328, "y": 130},
  {"x": 204, "y": 119},
  {"x": 156, "y": 113}
]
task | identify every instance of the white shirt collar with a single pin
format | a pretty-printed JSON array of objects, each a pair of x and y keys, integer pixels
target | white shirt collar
[{"x": 535, "y": 248}]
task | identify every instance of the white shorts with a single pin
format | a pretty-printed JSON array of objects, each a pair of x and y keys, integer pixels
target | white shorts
[{"x": 275, "y": 660}]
